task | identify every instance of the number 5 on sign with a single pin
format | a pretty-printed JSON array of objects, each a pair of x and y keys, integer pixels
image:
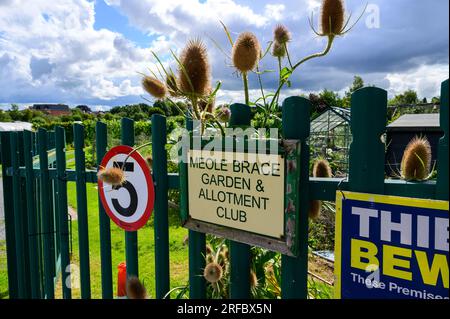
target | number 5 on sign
[{"x": 131, "y": 204}]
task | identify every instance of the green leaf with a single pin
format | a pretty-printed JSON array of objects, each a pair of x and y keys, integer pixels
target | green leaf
[
  {"x": 285, "y": 74},
  {"x": 227, "y": 32}
]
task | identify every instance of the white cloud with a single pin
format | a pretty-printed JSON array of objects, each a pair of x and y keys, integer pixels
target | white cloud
[
  {"x": 425, "y": 80},
  {"x": 50, "y": 50}
]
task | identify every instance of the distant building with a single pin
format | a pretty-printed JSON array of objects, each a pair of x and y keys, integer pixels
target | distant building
[
  {"x": 52, "y": 109},
  {"x": 405, "y": 128},
  {"x": 15, "y": 126},
  {"x": 84, "y": 108}
]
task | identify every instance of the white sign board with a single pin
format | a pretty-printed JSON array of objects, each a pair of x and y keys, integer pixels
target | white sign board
[
  {"x": 131, "y": 204},
  {"x": 238, "y": 190}
]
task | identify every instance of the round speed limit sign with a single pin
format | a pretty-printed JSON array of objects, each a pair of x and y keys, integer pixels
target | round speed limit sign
[{"x": 131, "y": 204}]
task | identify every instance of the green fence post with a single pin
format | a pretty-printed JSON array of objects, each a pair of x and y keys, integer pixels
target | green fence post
[
  {"x": 49, "y": 288},
  {"x": 61, "y": 188},
  {"x": 24, "y": 215},
  {"x": 83, "y": 233},
  {"x": 105, "y": 228},
  {"x": 239, "y": 252},
  {"x": 197, "y": 250},
  {"x": 294, "y": 272},
  {"x": 31, "y": 216},
  {"x": 9, "y": 215},
  {"x": 131, "y": 239},
  {"x": 19, "y": 234},
  {"x": 159, "y": 154},
  {"x": 442, "y": 178},
  {"x": 367, "y": 151}
]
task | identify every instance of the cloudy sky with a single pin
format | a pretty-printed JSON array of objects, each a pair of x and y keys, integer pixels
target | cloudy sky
[{"x": 91, "y": 52}]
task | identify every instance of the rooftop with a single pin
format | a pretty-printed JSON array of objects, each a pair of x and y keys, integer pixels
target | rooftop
[{"x": 416, "y": 121}]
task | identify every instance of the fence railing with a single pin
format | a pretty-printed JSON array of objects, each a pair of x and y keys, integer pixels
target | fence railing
[{"x": 36, "y": 216}]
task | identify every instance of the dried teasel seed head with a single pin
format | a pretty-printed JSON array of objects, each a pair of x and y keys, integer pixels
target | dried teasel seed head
[
  {"x": 278, "y": 50},
  {"x": 195, "y": 75},
  {"x": 154, "y": 87},
  {"x": 269, "y": 271},
  {"x": 416, "y": 161},
  {"x": 332, "y": 17},
  {"x": 246, "y": 52},
  {"x": 135, "y": 289},
  {"x": 253, "y": 280},
  {"x": 281, "y": 34},
  {"x": 322, "y": 168},
  {"x": 113, "y": 176},
  {"x": 213, "y": 272},
  {"x": 223, "y": 114},
  {"x": 172, "y": 86},
  {"x": 315, "y": 207}
]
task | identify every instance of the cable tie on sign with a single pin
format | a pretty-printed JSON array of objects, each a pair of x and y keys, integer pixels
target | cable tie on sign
[{"x": 339, "y": 188}]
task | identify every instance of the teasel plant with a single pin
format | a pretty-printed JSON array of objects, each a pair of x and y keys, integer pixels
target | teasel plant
[
  {"x": 416, "y": 160},
  {"x": 191, "y": 82}
]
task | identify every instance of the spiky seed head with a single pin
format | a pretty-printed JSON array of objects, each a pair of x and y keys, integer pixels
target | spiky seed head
[
  {"x": 246, "y": 52},
  {"x": 213, "y": 272},
  {"x": 172, "y": 86},
  {"x": 208, "y": 249},
  {"x": 278, "y": 50},
  {"x": 223, "y": 114},
  {"x": 135, "y": 289},
  {"x": 149, "y": 160},
  {"x": 332, "y": 17},
  {"x": 253, "y": 280},
  {"x": 281, "y": 34},
  {"x": 197, "y": 70},
  {"x": 322, "y": 168},
  {"x": 315, "y": 207},
  {"x": 113, "y": 176},
  {"x": 269, "y": 271},
  {"x": 154, "y": 87},
  {"x": 416, "y": 161}
]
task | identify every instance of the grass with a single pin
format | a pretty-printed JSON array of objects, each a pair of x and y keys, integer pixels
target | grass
[{"x": 178, "y": 251}]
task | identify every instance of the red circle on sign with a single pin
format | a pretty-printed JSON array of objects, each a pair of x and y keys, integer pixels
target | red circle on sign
[{"x": 124, "y": 149}]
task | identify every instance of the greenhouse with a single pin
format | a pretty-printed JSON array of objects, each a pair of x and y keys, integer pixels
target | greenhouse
[{"x": 331, "y": 137}]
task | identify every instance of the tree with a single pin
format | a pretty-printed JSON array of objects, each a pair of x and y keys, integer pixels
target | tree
[
  {"x": 406, "y": 98},
  {"x": 330, "y": 98},
  {"x": 357, "y": 84},
  {"x": 4, "y": 116}
]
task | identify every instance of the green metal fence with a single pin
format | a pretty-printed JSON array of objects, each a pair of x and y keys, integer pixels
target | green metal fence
[{"x": 35, "y": 199}]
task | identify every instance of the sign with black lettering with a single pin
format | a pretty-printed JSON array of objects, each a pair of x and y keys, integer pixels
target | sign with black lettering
[
  {"x": 390, "y": 247},
  {"x": 131, "y": 204},
  {"x": 238, "y": 190}
]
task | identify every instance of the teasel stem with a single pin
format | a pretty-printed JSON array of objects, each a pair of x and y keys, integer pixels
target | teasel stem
[
  {"x": 261, "y": 85},
  {"x": 317, "y": 55},
  {"x": 220, "y": 127},
  {"x": 312, "y": 56},
  {"x": 245, "y": 80},
  {"x": 287, "y": 54},
  {"x": 134, "y": 150}
]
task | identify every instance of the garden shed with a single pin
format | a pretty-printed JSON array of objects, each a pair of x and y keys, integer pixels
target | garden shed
[
  {"x": 405, "y": 128},
  {"x": 330, "y": 138}
]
